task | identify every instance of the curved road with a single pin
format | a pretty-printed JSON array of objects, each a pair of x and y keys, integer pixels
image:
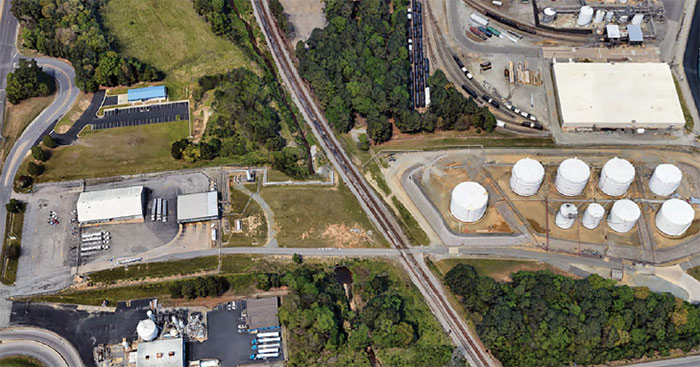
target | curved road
[{"x": 44, "y": 345}]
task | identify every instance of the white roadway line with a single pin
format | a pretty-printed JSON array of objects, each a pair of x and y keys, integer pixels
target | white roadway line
[{"x": 70, "y": 86}]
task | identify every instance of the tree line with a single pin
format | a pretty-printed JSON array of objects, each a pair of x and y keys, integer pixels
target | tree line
[
  {"x": 543, "y": 319},
  {"x": 72, "y": 30},
  {"x": 358, "y": 66},
  {"x": 28, "y": 80}
]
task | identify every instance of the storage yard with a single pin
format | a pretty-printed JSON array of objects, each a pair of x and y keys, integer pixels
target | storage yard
[{"x": 581, "y": 201}]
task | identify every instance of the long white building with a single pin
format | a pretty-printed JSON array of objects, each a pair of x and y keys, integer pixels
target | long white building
[
  {"x": 111, "y": 206},
  {"x": 616, "y": 96}
]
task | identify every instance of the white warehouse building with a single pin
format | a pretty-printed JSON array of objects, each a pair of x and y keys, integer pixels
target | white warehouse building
[
  {"x": 617, "y": 96},
  {"x": 197, "y": 207},
  {"x": 111, "y": 206}
]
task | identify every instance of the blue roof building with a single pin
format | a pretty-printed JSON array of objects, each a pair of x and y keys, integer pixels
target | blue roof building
[
  {"x": 144, "y": 94},
  {"x": 635, "y": 34}
]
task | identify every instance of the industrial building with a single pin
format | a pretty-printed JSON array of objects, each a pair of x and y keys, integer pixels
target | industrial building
[
  {"x": 197, "y": 207},
  {"x": 161, "y": 353},
  {"x": 262, "y": 313},
  {"x": 111, "y": 206},
  {"x": 155, "y": 93},
  {"x": 595, "y": 96}
]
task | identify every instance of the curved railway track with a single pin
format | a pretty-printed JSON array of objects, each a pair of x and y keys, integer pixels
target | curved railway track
[{"x": 375, "y": 206}]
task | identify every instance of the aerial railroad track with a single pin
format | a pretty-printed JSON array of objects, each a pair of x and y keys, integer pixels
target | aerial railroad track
[{"x": 366, "y": 195}]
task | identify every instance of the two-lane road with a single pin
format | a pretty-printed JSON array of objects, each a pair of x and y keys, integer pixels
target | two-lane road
[{"x": 44, "y": 345}]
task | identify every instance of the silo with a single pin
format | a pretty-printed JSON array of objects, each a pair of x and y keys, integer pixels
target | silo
[
  {"x": 572, "y": 177},
  {"x": 674, "y": 217},
  {"x": 616, "y": 177},
  {"x": 585, "y": 15},
  {"x": 147, "y": 330},
  {"x": 609, "y": 15},
  {"x": 566, "y": 216},
  {"x": 665, "y": 179},
  {"x": 526, "y": 177},
  {"x": 623, "y": 216},
  {"x": 599, "y": 14},
  {"x": 468, "y": 203},
  {"x": 593, "y": 215},
  {"x": 548, "y": 15}
]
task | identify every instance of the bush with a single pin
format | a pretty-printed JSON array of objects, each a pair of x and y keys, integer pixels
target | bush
[
  {"x": 12, "y": 252},
  {"x": 14, "y": 206},
  {"x": 49, "y": 142},
  {"x": 297, "y": 258},
  {"x": 363, "y": 142},
  {"x": 35, "y": 169},
  {"x": 40, "y": 154},
  {"x": 24, "y": 181}
]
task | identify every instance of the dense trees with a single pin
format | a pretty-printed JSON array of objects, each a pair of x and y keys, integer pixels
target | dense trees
[
  {"x": 199, "y": 287},
  {"x": 328, "y": 329},
  {"x": 27, "y": 81},
  {"x": 71, "y": 30},
  {"x": 358, "y": 65},
  {"x": 542, "y": 319}
]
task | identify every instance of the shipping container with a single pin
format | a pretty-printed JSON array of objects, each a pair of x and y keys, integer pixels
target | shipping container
[
  {"x": 478, "y": 19},
  {"x": 469, "y": 91}
]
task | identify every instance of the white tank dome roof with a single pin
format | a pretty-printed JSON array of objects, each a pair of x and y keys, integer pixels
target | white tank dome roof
[
  {"x": 593, "y": 215},
  {"x": 619, "y": 170},
  {"x": 626, "y": 210},
  {"x": 572, "y": 177},
  {"x": 526, "y": 177},
  {"x": 147, "y": 330},
  {"x": 595, "y": 209},
  {"x": 469, "y": 200},
  {"x": 674, "y": 217},
  {"x": 665, "y": 179}
]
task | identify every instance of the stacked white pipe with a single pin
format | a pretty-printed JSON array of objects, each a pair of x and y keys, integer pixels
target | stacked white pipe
[
  {"x": 665, "y": 179},
  {"x": 526, "y": 177},
  {"x": 616, "y": 177},
  {"x": 566, "y": 216},
  {"x": 674, "y": 217},
  {"x": 623, "y": 216},
  {"x": 469, "y": 201},
  {"x": 572, "y": 177},
  {"x": 593, "y": 215}
]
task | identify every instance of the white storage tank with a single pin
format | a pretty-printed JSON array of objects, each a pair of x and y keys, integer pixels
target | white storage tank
[
  {"x": 637, "y": 19},
  {"x": 599, "y": 14},
  {"x": 526, "y": 177},
  {"x": 585, "y": 15},
  {"x": 548, "y": 15},
  {"x": 566, "y": 216},
  {"x": 616, "y": 177},
  {"x": 665, "y": 179},
  {"x": 593, "y": 215},
  {"x": 623, "y": 216},
  {"x": 572, "y": 177},
  {"x": 609, "y": 15},
  {"x": 469, "y": 201},
  {"x": 147, "y": 330},
  {"x": 674, "y": 217}
]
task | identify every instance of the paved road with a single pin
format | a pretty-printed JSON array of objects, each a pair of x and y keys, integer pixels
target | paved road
[
  {"x": 693, "y": 361},
  {"x": 8, "y": 52},
  {"x": 47, "y": 346}
]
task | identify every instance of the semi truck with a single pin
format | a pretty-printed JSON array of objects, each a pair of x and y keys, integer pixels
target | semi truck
[
  {"x": 165, "y": 210},
  {"x": 153, "y": 209},
  {"x": 263, "y": 346},
  {"x": 265, "y": 340},
  {"x": 269, "y": 334},
  {"x": 478, "y": 19},
  {"x": 264, "y": 355}
]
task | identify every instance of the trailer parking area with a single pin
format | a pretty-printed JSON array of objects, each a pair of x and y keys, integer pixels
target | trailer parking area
[{"x": 142, "y": 115}]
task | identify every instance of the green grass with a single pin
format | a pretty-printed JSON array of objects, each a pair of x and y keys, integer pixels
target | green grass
[
  {"x": 496, "y": 268},
  {"x": 95, "y": 297},
  {"x": 250, "y": 236},
  {"x": 694, "y": 272},
  {"x": 155, "y": 270},
  {"x": 242, "y": 264},
  {"x": 19, "y": 116},
  {"x": 313, "y": 216},
  {"x": 14, "y": 223},
  {"x": 409, "y": 225},
  {"x": 238, "y": 200},
  {"x": 119, "y": 151},
  {"x": 74, "y": 113},
  {"x": 20, "y": 361},
  {"x": 274, "y": 175},
  {"x": 689, "y": 124},
  {"x": 495, "y": 141},
  {"x": 378, "y": 177},
  {"x": 169, "y": 35}
]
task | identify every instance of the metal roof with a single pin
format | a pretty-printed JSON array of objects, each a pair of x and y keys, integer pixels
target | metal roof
[
  {"x": 613, "y": 31},
  {"x": 139, "y": 94},
  {"x": 262, "y": 312},
  {"x": 197, "y": 207},
  {"x": 634, "y": 32},
  {"x": 161, "y": 353},
  {"x": 112, "y": 204}
]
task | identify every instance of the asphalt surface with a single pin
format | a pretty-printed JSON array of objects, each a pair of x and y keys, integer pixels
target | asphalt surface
[
  {"x": 142, "y": 115},
  {"x": 8, "y": 52},
  {"x": 691, "y": 58},
  {"x": 45, "y": 345}
]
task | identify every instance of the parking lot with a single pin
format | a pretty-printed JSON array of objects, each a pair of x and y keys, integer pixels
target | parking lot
[
  {"x": 224, "y": 342},
  {"x": 49, "y": 249},
  {"x": 142, "y": 115}
]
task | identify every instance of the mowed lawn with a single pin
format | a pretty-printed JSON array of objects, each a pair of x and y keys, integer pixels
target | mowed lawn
[
  {"x": 169, "y": 35},
  {"x": 318, "y": 216},
  {"x": 118, "y": 151}
]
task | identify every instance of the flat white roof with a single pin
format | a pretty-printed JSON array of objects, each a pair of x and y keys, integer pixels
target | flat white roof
[
  {"x": 161, "y": 353},
  {"x": 617, "y": 95},
  {"x": 112, "y": 204},
  {"x": 200, "y": 206}
]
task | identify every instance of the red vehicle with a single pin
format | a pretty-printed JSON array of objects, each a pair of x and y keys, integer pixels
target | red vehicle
[{"x": 478, "y": 33}]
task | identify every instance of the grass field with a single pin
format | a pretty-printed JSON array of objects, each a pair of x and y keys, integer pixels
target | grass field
[
  {"x": 20, "y": 361},
  {"x": 19, "y": 116},
  {"x": 238, "y": 200},
  {"x": 314, "y": 216},
  {"x": 254, "y": 226},
  {"x": 497, "y": 269},
  {"x": 79, "y": 106},
  {"x": 428, "y": 142},
  {"x": 155, "y": 270},
  {"x": 169, "y": 35},
  {"x": 409, "y": 225},
  {"x": 14, "y": 223},
  {"x": 119, "y": 151},
  {"x": 694, "y": 272}
]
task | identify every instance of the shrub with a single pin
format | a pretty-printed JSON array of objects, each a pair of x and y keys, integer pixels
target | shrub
[
  {"x": 12, "y": 252},
  {"x": 14, "y": 206},
  {"x": 49, "y": 142},
  {"x": 24, "y": 181},
  {"x": 35, "y": 169},
  {"x": 40, "y": 154}
]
